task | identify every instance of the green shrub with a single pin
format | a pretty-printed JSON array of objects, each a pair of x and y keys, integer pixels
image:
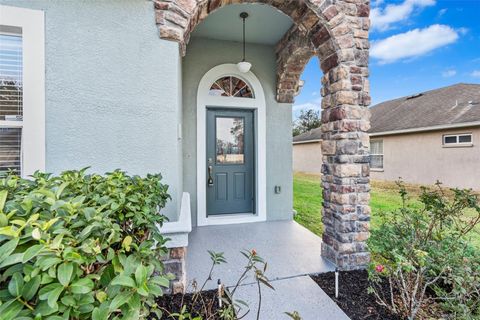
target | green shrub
[
  {"x": 459, "y": 286},
  {"x": 423, "y": 247},
  {"x": 80, "y": 246}
]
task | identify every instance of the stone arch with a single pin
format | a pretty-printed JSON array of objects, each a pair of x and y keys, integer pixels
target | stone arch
[
  {"x": 178, "y": 18},
  {"x": 293, "y": 52},
  {"x": 337, "y": 32}
]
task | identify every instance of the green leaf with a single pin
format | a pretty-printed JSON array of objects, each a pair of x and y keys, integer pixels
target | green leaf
[
  {"x": 120, "y": 300},
  {"x": 100, "y": 313},
  {"x": 86, "y": 299},
  {"x": 126, "y": 243},
  {"x": 123, "y": 281},
  {"x": 107, "y": 275},
  {"x": 57, "y": 241},
  {"x": 86, "y": 232},
  {"x": 3, "y": 199},
  {"x": 31, "y": 287},
  {"x": 15, "y": 286},
  {"x": 9, "y": 231},
  {"x": 12, "y": 259},
  {"x": 61, "y": 188},
  {"x": 68, "y": 300},
  {"x": 32, "y": 252},
  {"x": 7, "y": 248},
  {"x": 3, "y": 220},
  {"x": 141, "y": 275},
  {"x": 161, "y": 281},
  {"x": 82, "y": 286},
  {"x": 10, "y": 309},
  {"x": 86, "y": 308},
  {"x": 134, "y": 302},
  {"x": 143, "y": 290},
  {"x": 53, "y": 296},
  {"x": 5, "y": 295},
  {"x": 64, "y": 273},
  {"x": 101, "y": 296},
  {"x": 133, "y": 314},
  {"x": 155, "y": 290},
  {"x": 47, "y": 263},
  {"x": 48, "y": 224},
  {"x": 44, "y": 309},
  {"x": 45, "y": 291}
]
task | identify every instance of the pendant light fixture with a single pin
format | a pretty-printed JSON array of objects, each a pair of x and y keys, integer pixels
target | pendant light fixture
[{"x": 244, "y": 66}]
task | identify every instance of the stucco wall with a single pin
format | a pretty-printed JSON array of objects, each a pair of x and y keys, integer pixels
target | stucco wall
[
  {"x": 203, "y": 55},
  {"x": 421, "y": 158},
  {"x": 112, "y": 89},
  {"x": 307, "y": 157}
]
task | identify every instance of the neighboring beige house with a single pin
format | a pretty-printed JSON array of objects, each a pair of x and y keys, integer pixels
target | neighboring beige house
[{"x": 422, "y": 138}]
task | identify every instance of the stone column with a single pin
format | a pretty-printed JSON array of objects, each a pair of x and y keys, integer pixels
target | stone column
[
  {"x": 345, "y": 146},
  {"x": 174, "y": 263}
]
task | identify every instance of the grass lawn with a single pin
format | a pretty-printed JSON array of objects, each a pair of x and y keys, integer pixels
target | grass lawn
[{"x": 307, "y": 201}]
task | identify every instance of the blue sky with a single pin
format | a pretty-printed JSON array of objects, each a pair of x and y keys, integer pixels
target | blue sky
[{"x": 416, "y": 45}]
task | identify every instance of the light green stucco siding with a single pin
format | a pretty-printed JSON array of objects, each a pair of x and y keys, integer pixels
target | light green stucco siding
[{"x": 113, "y": 89}]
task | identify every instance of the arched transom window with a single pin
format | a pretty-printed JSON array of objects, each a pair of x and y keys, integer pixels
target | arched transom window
[{"x": 231, "y": 86}]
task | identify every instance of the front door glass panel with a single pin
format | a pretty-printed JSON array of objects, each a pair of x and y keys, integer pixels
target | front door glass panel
[{"x": 230, "y": 142}]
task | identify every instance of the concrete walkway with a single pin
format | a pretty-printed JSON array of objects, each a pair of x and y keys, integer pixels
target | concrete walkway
[
  {"x": 292, "y": 252},
  {"x": 299, "y": 294}
]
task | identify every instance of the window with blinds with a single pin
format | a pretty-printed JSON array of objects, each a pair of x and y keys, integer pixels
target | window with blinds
[
  {"x": 376, "y": 154},
  {"x": 11, "y": 102}
]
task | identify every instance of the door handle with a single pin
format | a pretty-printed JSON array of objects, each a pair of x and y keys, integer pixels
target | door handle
[{"x": 210, "y": 179}]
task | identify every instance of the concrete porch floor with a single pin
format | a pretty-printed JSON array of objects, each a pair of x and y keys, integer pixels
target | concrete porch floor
[{"x": 291, "y": 251}]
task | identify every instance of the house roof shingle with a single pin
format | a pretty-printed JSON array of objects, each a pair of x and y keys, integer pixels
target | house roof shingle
[
  {"x": 456, "y": 104},
  {"x": 459, "y": 103},
  {"x": 312, "y": 135}
]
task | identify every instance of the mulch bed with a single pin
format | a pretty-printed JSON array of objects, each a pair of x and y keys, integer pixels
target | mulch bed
[
  {"x": 353, "y": 297},
  {"x": 173, "y": 303}
]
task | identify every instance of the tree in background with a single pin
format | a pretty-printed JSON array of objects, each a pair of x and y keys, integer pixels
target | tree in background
[{"x": 308, "y": 120}]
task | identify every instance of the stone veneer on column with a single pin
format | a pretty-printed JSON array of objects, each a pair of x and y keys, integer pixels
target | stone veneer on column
[
  {"x": 174, "y": 263},
  {"x": 337, "y": 32}
]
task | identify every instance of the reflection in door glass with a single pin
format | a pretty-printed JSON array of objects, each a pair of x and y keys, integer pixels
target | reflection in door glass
[{"x": 230, "y": 140}]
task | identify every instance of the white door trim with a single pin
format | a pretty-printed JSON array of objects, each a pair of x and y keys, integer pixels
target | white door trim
[{"x": 257, "y": 104}]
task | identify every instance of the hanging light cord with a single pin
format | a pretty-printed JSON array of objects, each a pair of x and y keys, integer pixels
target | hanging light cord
[{"x": 243, "y": 38}]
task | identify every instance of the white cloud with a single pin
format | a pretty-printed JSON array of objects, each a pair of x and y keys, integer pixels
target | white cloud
[
  {"x": 413, "y": 43},
  {"x": 475, "y": 73},
  {"x": 449, "y": 73},
  {"x": 314, "y": 104},
  {"x": 383, "y": 18},
  {"x": 441, "y": 12},
  {"x": 315, "y": 93}
]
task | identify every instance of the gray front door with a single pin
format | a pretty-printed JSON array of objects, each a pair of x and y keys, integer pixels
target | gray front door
[{"x": 230, "y": 162}]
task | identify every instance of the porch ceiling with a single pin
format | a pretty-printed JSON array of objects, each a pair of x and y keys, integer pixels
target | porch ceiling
[{"x": 265, "y": 25}]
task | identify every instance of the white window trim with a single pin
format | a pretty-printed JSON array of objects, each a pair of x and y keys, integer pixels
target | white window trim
[
  {"x": 457, "y": 144},
  {"x": 258, "y": 104},
  {"x": 378, "y": 154},
  {"x": 32, "y": 23}
]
